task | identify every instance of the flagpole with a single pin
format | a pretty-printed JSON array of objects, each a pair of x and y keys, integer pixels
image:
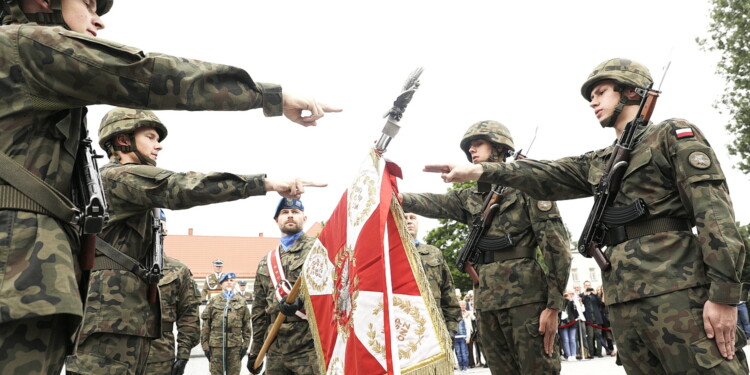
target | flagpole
[
  {"x": 394, "y": 114},
  {"x": 276, "y": 325}
]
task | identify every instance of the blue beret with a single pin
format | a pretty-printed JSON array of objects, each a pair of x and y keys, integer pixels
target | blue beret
[
  {"x": 225, "y": 276},
  {"x": 288, "y": 203}
]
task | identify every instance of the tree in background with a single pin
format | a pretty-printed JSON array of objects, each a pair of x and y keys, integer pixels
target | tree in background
[{"x": 729, "y": 35}]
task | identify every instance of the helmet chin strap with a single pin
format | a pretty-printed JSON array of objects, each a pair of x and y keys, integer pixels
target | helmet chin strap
[
  {"x": 134, "y": 149},
  {"x": 17, "y": 15},
  {"x": 498, "y": 154},
  {"x": 610, "y": 121}
]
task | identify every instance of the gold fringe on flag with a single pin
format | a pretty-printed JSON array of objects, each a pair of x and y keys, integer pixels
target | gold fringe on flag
[{"x": 444, "y": 364}]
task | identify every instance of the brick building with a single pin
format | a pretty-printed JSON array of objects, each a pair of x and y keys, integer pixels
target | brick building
[{"x": 241, "y": 255}]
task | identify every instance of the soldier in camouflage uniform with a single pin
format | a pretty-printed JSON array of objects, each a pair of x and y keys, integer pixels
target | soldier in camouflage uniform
[
  {"x": 438, "y": 275},
  {"x": 671, "y": 293},
  {"x": 134, "y": 187},
  {"x": 211, "y": 286},
  {"x": 517, "y": 299},
  {"x": 225, "y": 334},
  {"x": 179, "y": 307},
  {"x": 47, "y": 74},
  {"x": 293, "y": 350}
]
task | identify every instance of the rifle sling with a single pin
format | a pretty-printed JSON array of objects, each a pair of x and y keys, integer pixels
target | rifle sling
[
  {"x": 501, "y": 255},
  {"x": 24, "y": 191},
  {"x": 114, "y": 259},
  {"x": 627, "y": 232}
]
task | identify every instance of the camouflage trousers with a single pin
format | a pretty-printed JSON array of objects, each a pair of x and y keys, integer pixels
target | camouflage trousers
[
  {"x": 233, "y": 360},
  {"x": 34, "y": 346},
  {"x": 110, "y": 354},
  {"x": 302, "y": 363},
  {"x": 665, "y": 335},
  {"x": 512, "y": 344},
  {"x": 159, "y": 368}
]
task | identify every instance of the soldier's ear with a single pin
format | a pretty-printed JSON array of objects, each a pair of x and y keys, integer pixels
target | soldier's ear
[
  {"x": 39, "y": 4},
  {"x": 630, "y": 93},
  {"x": 122, "y": 140}
]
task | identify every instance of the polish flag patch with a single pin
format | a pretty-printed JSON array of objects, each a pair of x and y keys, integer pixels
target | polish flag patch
[{"x": 684, "y": 133}]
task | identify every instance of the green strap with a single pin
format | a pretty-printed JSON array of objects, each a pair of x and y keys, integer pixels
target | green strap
[
  {"x": 116, "y": 259},
  {"x": 37, "y": 190}
]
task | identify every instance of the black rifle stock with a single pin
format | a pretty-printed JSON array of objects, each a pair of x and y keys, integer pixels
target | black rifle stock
[
  {"x": 470, "y": 252},
  {"x": 157, "y": 257},
  {"x": 88, "y": 195},
  {"x": 594, "y": 232}
]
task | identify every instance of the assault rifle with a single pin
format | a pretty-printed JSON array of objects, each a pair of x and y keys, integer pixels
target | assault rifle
[
  {"x": 157, "y": 257},
  {"x": 595, "y": 230},
  {"x": 470, "y": 252},
  {"x": 88, "y": 195}
]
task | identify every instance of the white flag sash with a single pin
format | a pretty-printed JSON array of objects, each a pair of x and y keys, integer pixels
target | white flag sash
[{"x": 278, "y": 278}]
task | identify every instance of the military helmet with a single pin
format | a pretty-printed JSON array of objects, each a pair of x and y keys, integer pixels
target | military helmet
[
  {"x": 10, "y": 11},
  {"x": 125, "y": 121},
  {"x": 492, "y": 131},
  {"x": 103, "y": 6},
  {"x": 623, "y": 71}
]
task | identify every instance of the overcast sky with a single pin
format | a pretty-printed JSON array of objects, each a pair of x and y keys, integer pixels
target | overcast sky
[{"x": 518, "y": 62}]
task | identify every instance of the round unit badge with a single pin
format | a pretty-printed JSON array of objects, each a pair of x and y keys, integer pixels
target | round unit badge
[
  {"x": 699, "y": 160},
  {"x": 544, "y": 206}
]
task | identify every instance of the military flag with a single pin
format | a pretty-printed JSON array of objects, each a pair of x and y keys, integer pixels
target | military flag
[{"x": 366, "y": 295}]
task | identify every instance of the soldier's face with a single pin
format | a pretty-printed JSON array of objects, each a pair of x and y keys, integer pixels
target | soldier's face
[
  {"x": 218, "y": 268},
  {"x": 147, "y": 142},
  {"x": 80, "y": 16},
  {"x": 480, "y": 151},
  {"x": 412, "y": 224},
  {"x": 604, "y": 100},
  {"x": 227, "y": 284},
  {"x": 291, "y": 221}
]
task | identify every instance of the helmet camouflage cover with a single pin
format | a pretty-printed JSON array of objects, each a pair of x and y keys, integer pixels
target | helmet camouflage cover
[
  {"x": 492, "y": 131},
  {"x": 125, "y": 121},
  {"x": 623, "y": 71}
]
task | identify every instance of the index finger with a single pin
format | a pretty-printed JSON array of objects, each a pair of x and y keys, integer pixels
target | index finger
[
  {"x": 437, "y": 168},
  {"x": 314, "y": 184}
]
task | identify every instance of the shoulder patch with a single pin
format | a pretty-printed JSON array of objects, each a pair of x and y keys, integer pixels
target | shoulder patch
[
  {"x": 683, "y": 133},
  {"x": 544, "y": 206},
  {"x": 699, "y": 159}
]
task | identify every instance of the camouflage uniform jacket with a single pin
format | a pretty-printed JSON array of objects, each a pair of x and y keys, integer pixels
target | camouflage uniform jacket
[
  {"x": 677, "y": 178},
  {"x": 236, "y": 326},
  {"x": 441, "y": 284},
  {"x": 44, "y": 73},
  {"x": 247, "y": 295},
  {"x": 133, "y": 190},
  {"x": 294, "y": 335},
  {"x": 179, "y": 305},
  {"x": 531, "y": 223}
]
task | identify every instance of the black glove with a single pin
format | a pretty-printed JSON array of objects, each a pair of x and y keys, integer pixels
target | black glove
[
  {"x": 452, "y": 333},
  {"x": 178, "y": 367},
  {"x": 251, "y": 365},
  {"x": 289, "y": 309},
  {"x": 243, "y": 352},
  {"x": 208, "y": 354}
]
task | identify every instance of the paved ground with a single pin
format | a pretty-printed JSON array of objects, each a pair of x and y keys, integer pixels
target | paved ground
[{"x": 198, "y": 365}]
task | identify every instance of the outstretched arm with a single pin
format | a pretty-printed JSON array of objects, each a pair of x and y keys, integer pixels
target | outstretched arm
[{"x": 294, "y": 105}]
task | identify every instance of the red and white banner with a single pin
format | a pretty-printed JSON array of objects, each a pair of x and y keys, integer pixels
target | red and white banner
[{"x": 367, "y": 298}]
